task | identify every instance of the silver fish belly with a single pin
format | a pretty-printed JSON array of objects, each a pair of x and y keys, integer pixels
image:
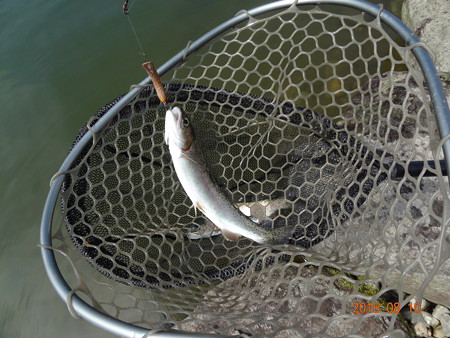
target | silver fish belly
[{"x": 202, "y": 191}]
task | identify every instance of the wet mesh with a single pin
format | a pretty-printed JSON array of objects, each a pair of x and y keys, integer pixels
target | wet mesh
[{"x": 310, "y": 113}]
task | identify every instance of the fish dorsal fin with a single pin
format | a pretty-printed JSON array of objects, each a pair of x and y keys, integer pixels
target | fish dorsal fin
[{"x": 231, "y": 236}]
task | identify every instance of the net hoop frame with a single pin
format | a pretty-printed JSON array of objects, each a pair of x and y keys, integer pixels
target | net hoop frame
[{"x": 118, "y": 327}]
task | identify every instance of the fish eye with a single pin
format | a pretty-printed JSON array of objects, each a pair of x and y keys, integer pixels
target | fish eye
[{"x": 185, "y": 121}]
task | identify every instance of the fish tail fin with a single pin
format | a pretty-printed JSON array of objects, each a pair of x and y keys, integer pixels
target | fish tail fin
[{"x": 282, "y": 235}]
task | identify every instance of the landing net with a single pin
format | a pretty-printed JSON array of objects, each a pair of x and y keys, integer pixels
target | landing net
[{"x": 312, "y": 117}]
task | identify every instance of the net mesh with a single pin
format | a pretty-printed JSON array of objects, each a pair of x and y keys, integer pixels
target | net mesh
[{"x": 304, "y": 118}]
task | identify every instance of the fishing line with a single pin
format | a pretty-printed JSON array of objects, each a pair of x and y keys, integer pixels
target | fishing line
[
  {"x": 126, "y": 11},
  {"x": 147, "y": 65}
]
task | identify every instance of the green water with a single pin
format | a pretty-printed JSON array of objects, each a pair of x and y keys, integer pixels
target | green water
[{"x": 60, "y": 62}]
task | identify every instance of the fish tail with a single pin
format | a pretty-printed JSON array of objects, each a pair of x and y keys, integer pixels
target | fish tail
[{"x": 282, "y": 235}]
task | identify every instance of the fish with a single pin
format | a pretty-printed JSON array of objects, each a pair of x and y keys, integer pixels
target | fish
[
  {"x": 257, "y": 211},
  {"x": 203, "y": 192}
]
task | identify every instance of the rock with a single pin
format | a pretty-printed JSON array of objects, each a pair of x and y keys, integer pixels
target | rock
[
  {"x": 430, "y": 320},
  {"x": 422, "y": 330},
  {"x": 408, "y": 209},
  {"x": 440, "y": 310},
  {"x": 294, "y": 301},
  {"x": 443, "y": 315},
  {"x": 407, "y": 313},
  {"x": 438, "y": 332},
  {"x": 429, "y": 21},
  {"x": 423, "y": 304},
  {"x": 437, "y": 288}
]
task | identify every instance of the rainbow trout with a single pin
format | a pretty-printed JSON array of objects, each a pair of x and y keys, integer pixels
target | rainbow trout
[{"x": 203, "y": 192}]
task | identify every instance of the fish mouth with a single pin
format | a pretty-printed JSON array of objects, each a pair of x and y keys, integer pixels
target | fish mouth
[
  {"x": 173, "y": 116},
  {"x": 176, "y": 113},
  {"x": 169, "y": 124}
]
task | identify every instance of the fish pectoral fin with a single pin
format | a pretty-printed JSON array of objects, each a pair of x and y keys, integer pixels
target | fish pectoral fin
[
  {"x": 189, "y": 158},
  {"x": 210, "y": 225},
  {"x": 231, "y": 236},
  {"x": 198, "y": 206}
]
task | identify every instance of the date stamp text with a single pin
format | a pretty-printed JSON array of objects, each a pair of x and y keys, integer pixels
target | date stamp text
[{"x": 362, "y": 307}]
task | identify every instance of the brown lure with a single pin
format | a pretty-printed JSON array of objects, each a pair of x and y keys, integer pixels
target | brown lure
[{"x": 154, "y": 76}]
